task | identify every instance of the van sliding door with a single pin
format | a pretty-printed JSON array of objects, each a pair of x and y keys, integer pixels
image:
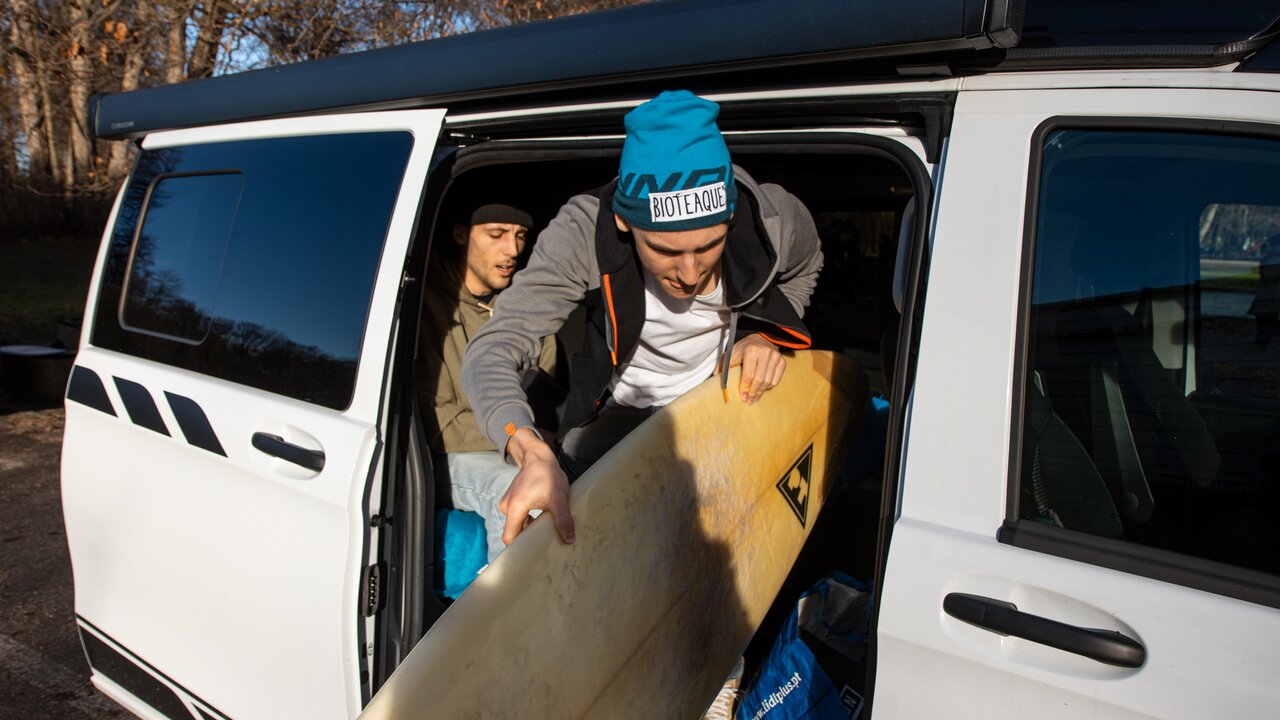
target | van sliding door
[{"x": 224, "y": 418}]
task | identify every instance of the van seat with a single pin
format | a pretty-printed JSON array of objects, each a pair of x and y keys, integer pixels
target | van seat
[
  {"x": 1083, "y": 344},
  {"x": 1060, "y": 484}
]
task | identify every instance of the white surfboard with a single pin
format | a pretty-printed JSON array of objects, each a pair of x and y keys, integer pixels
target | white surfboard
[{"x": 685, "y": 533}]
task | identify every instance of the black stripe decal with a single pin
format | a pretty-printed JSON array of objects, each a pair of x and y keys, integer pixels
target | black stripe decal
[
  {"x": 208, "y": 714},
  {"x": 86, "y": 388},
  {"x": 124, "y": 672},
  {"x": 133, "y": 663},
  {"x": 194, "y": 424},
  {"x": 141, "y": 408}
]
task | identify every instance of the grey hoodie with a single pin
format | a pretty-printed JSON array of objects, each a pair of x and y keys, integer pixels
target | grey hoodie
[{"x": 565, "y": 271}]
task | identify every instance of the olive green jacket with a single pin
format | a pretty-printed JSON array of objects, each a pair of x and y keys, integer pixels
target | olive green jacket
[{"x": 451, "y": 316}]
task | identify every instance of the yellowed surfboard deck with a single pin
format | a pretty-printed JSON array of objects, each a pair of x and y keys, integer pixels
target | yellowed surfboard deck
[{"x": 685, "y": 532}]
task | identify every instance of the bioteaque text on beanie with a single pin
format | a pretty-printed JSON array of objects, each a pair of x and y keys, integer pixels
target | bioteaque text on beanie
[{"x": 675, "y": 172}]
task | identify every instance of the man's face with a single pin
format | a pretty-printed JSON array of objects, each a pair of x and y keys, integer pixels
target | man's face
[
  {"x": 492, "y": 249},
  {"x": 685, "y": 262}
]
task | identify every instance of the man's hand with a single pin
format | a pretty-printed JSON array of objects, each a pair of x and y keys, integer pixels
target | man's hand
[
  {"x": 540, "y": 485},
  {"x": 762, "y": 366}
]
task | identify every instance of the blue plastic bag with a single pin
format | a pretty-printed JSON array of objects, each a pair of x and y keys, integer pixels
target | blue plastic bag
[{"x": 792, "y": 684}]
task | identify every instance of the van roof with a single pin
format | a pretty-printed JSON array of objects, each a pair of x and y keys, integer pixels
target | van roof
[{"x": 709, "y": 44}]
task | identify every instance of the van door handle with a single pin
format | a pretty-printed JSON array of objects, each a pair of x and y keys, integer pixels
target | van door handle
[
  {"x": 276, "y": 446},
  {"x": 1004, "y": 618}
]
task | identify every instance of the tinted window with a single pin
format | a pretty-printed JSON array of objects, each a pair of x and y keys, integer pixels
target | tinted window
[
  {"x": 256, "y": 259},
  {"x": 1151, "y": 412},
  {"x": 177, "y": 256}
]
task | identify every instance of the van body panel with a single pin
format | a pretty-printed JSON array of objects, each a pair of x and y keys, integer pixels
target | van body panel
[
  {"x": 247, "y": 553},
  {"x": 230, "y": 572},
  {"x": 125, "y": 698},
  {"x": 1206, "y": 654}
]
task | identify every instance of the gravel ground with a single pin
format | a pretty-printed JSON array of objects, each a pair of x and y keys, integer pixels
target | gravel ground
[{"x": 43, "y": 673}]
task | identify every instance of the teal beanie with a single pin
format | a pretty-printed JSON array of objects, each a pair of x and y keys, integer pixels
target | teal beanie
[{"x": 675, "y": 172}]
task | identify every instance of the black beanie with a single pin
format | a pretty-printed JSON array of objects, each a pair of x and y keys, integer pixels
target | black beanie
[{"x": 501, "y": 213}]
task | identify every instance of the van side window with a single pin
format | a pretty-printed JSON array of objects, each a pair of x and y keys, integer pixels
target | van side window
[
  {"x": 255, "y": 260},
  {"x": 178, "y": 254},
  {"x": 1151, "y": 394}
]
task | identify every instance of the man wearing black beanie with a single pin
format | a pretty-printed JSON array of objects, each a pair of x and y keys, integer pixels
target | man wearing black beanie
[{"x": 462, "y": 288}]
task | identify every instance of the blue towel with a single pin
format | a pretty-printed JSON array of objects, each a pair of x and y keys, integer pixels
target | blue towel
[{"x": 461, "y": 551}]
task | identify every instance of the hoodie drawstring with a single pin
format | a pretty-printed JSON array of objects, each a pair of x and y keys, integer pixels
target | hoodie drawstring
[
  {"x": 610, "y": 321},
  {"x": 727, "y": 353}
]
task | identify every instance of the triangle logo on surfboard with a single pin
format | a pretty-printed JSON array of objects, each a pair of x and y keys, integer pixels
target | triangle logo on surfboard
[{"x": 794, "y": 485}]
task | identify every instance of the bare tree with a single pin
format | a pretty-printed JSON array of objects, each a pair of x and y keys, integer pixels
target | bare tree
[
  {"x": 25, "y": 89},
  {"x": 211, "y": 20},
  {"x": 56, "y": 53},
  {"x": 136, "y": 40},
  {"x": 79, "y": 163},
  {"x": 173, "y": 17},
  {"x": 297, "y": 31}
]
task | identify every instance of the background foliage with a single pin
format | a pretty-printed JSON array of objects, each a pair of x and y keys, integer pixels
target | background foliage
[{"x": 56, "y": 179}]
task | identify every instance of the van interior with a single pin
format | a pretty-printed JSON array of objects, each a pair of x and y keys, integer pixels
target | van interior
[{"x": 859, "y": 199}]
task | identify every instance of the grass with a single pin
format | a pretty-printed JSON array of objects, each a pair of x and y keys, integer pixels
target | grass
[
  {"x": 43, "y": 281},
  {"x": 1229, "y": 280}
]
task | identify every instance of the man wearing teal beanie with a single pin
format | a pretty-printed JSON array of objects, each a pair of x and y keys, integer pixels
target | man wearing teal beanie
[
  {"x": 672, "y": 140},
  {"x": 682, "y": 262}
]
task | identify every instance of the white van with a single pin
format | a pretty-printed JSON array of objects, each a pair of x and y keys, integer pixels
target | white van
[{"x": 1052, "y": 233}]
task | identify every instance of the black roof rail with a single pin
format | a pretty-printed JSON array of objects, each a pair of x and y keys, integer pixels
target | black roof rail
[
  {"x": 1061, "y": 34},
  {"x": 670, "y": 40}
]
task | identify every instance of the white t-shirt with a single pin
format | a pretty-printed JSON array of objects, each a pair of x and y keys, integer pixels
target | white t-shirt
[{"x": 679, "y": 347}]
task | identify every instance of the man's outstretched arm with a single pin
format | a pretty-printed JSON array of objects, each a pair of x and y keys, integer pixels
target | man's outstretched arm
[
  {"x": 536, "y": 305},
  {"x": 540, "y": 485}
]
